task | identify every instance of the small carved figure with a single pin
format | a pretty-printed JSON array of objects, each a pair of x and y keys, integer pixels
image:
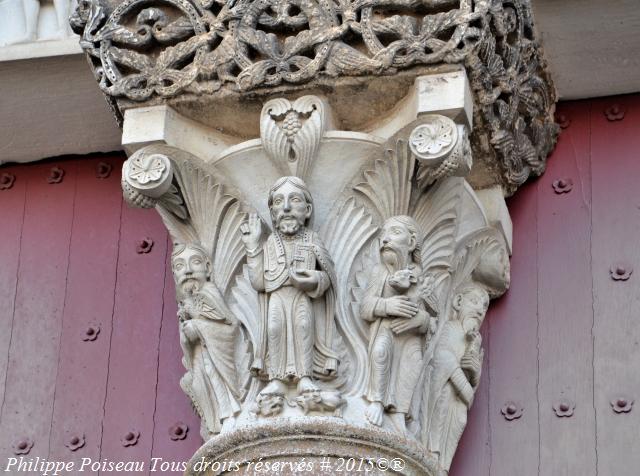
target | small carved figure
[
  {"x": 268, "y": 404},
  {"x": 329, "y": 400},
  {"x": 294, "y": 274},
  {"x": 208, "y": 336},
  {"x": 399, "y": 311},
  {"x": 454, "y": 373}
]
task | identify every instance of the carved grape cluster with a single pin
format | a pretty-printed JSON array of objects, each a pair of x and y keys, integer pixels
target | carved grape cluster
[
  {"x": 135, "y": 198},
  {"x": 291, "y": 124}
]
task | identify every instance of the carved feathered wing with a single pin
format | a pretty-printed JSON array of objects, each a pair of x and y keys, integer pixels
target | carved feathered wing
[
  {"x": 348, "y": 230},
  {"x": 173, "y": 212},
  {"x": 274, "y": 140},
  {"x": 229, "y": 251},
  {"x": 245, "y": 303},
  {"x": 437, "y": 213},
  {"x": 470, "y": 251},
  {"x": 291, "y": 133},
  {"x": 387, "y": 187},
  {"x": 307, "y": 141},
  {"x": 245, "y": 306},
  {"x": 215, "y": 217}
]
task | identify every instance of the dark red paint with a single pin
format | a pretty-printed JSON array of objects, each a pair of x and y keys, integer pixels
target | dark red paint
[{"x": 565, "y": 332}]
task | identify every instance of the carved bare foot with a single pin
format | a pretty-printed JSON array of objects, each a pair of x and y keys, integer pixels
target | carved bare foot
[
  {"x": 228, "y": 423},
  {"x": 274, "y": 387},
  {"x": 374, "y": 413},
  {"x": 399, "y": 422},
  {"x": 306, "y": 385}
]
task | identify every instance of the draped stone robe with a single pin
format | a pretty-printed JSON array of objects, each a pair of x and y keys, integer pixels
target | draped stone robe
[
  {"x": 211, "y": 380},
  {"x": 297, "y": 328},
  {"x": 445, "y": 385},
  {"x": 395, "y": 360}
]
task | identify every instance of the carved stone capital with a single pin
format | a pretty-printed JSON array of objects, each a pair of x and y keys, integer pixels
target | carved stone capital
[
  {"x": 311, "y": 264},
  {"x": 333, "y": 177}
]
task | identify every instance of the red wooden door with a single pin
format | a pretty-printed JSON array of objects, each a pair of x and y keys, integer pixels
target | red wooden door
[{"x": 89, "y": 349}]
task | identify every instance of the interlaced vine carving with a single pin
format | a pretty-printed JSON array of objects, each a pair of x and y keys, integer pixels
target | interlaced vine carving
[{"x": 141, "y": 49}]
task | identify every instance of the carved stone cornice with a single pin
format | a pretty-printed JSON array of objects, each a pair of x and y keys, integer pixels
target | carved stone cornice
[{"x": 214, "y": 54}]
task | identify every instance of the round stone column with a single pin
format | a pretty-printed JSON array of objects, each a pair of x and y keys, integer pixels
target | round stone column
[{"x": 318, "y": 445}]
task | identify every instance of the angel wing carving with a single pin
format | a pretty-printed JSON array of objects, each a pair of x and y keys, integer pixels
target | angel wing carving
[
  {"x": 386, "y": 191},
  {"x": 215, "y": 217},
  {"x": 291, "y": 133},
  {"x": 437, "y": 213},
  {"x": 387, "y": 187},
  {"x": 480, "y": 257},
  {"x": 345, "y": 234}
]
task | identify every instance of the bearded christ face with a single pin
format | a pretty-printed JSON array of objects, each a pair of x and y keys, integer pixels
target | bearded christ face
[
  {"x": 289, "y": 209},
  {"x": 190, "y": 270},
  {"x": 396, "y": 244}
]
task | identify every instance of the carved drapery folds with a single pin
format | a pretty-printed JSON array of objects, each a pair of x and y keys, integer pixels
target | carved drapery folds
[
  {"x": 345, "y": 285},
  {"x": 148, "y": 51},
  {"x": 332, "y": 275}
]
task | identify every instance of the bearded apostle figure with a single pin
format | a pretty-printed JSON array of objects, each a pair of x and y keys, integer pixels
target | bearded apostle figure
[
  {"x": 398, "y": 308},
  {"x": 208, "y": 335},
  {"x": 454, "y": 373},
  {"x": 294, "y": 275}
]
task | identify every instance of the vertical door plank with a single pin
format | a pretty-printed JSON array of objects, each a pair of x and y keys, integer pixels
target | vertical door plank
[
  {"x": 474, "y": 451},
  {"x": 565, "y": 304},
  {"x": 616, "y": 238},
  {"x": 83, "y": 364},
  {"x": 12, "y": 201},
  {"x": 133, "y": 359},
  {"x": 172, "y": 404},
  {"x": 40, "y": 299},
  {"x": 513, "y": 322}
]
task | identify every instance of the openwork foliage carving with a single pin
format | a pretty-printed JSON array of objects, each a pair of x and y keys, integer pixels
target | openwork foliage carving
[
  {"x": 202, "y": 46},
  {"x": 180, "y": 45}
]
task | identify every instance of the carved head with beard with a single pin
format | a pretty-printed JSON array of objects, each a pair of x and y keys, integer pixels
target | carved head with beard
[
  {"x": 191, "y": 267},
  {"x": 290, "y": 204},
  {"x": 471, "y": 304},
  {"x": 400, "y": 243}
]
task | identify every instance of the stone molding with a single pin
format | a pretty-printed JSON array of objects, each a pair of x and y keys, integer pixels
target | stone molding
[
  {"x": 332, "y": 274},
  {"x": 306, "y": 441}
]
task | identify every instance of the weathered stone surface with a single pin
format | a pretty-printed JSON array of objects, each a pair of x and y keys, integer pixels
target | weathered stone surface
[
  {"x": 205, "y": 55},
  {"x": 333, "y": 274},
  {"x": 316, "y": 443},
  {"x": 325, "y": 273}
]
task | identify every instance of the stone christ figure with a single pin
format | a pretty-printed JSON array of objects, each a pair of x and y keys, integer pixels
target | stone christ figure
[
  {"x": 294, "y": 275},
  {"x": 397, "y": 311}
]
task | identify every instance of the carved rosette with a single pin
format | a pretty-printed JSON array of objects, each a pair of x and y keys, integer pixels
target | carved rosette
[
  {"x": 433, "y": 139},
  {"x": 148, "y": 175},
  {"x": 442, "y": 149},
  {"x": 152, "y": 52}
]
